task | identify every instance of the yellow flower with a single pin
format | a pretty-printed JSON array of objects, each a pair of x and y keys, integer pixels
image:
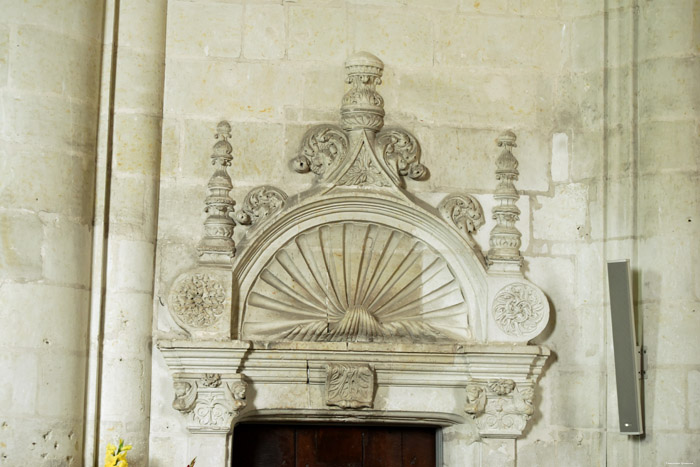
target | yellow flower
[{"x": 116, "y": 456}]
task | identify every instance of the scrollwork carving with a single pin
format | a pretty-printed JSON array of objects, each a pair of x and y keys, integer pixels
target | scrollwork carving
[
  {"x": 259, "y": 203},
  {"x": 501, "y": 407},
  {"x": 323, "y": 147},
  {"x": 400, "y": 149},
  {"x": 213, "y": 403},
  {"x": 465, "y": 212},
  {"x": 197, "y": 300},
  {"x": 349, "y": 385},
  {"x": 518, "y": 309}
]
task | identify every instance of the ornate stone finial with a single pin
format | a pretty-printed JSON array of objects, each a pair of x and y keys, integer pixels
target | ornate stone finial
[
  {"x": 363, "y": 107},
  {"x": 505, "y": 237},
  {"x": 217, "y": 246}
]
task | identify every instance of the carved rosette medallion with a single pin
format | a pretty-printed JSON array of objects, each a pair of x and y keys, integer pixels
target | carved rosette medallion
[
  {"x": 259, "y": 203},
  {"x": 519, "y": 308},
  {"x": 211, "y": 402},
  {"x": 349, "y": 385},
  {"x": 197, "y": 300}
]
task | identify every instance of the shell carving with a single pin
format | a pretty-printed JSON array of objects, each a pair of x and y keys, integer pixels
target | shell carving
[{"x": 356, "y": 281}]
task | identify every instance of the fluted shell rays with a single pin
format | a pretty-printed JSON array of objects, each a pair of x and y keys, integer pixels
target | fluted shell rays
[{"x": 356, "y": 281}]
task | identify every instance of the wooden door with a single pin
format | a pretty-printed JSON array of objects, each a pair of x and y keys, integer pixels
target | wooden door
[{"x": 332, "y": 446}]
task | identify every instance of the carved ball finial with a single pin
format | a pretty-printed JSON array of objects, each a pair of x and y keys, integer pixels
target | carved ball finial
[
  {"x": 363, "y": 107},
  {"x": 507, "y": 138}
]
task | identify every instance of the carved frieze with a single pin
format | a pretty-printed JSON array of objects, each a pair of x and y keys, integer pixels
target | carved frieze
[
  {"x": 519, "y": 309},
  {"x": 210, "y": 402},
  {"x": 355, "y": 281},
  {"x": 197, "y": 300},
  {"x": 349, "y": 385}
]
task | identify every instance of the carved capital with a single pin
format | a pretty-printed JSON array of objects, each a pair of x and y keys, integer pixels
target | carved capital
[
  {"x": 349, "y": 385},
  {"x": 210, "y": 402},
  {"x": 500, "y": 408}
]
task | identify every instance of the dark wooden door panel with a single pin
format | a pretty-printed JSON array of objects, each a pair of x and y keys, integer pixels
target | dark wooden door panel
[{"x": 332, "y": 446}]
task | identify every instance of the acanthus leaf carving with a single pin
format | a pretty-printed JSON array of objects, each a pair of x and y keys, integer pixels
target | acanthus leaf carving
[
  {"x": 323, "y": 147},
  {"x": 259, "y": 203},
  {"x": 401, "y": 150},
  {"x": 349, "y": 385},
  {"x": 519, "y": 309},
  {"x": 465, "y": 212},
  {"x": 197, "y": 300}
]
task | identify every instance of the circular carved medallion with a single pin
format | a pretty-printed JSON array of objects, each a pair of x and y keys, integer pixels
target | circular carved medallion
[
  {"x": 519, "y": 308},
  {"x": 197, "y": 300}
]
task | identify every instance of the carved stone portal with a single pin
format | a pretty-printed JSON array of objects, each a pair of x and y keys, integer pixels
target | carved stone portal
[{"x": 356, "y": 269}]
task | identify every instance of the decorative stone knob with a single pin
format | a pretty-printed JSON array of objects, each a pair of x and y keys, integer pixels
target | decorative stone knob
[{"x": 363, "y": 107}]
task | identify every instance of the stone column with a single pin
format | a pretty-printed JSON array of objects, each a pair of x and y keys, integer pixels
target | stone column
[
  {"x": 131, "y": 160},
  {"x": 49, "y": 87}
]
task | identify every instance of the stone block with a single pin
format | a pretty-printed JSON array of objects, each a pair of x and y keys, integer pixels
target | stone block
[
  {"x": 22, "y": 237},
  {"x": 132, "y": 261},
  {"x": 665, "y": 268},
  {"x": 123, "y": 405},
  {"x": 200, "y": 29},
  {"x": 669, "y": 449},
  {"x": 490, "y": 6},
  {"x": 694, "y": 399},
  {"x": 42, "y": 121},
  {"x": 620, "y": 38},
  {"x": 556, "y": 277},
  {"x": 142, "y": 25},
  {"x": 44, "y": 317},
  {"x": 587, "y": 46},
  {"x": 317, "y": 34},
  {"x": 170, "y": 147},
  {"x": 136, "y": 146},
  {"x": 84, "y": 16},
  {"x": 576, "y": 8},
  {"x": 4, "y": 53},
  {"x": 539, "y": 8},
  {"x": 61, "y": 384},
  {"x": 619, "y": 212},
  {"x": 67, "y": 252},
  {"x": 590, "y": 277},
  {"x": 264, "y": 31},
  {"x": 139, "y": 82},
  {"x": 181, "y": 213},
  {"x": 669, "y": 146},
  {"x": 668, "y": 204},
  {"x": 257, "y": 151},
  {"x": 666, "y": 29},
  {"x": 586, "y": 154},
  {"x": 324, "y": 88},
  {"x": 560, "y": 157},
  {"x": 665, "y": 326},
  {"x": 399, "y": 39},
  {"x": 127, "y": 324},
  {"x": 563, "y": 216},
  {"x": 54, "y": 182},
  {"x": 575, "y": 401},
  {"x": 464, "y": 40},
  {"x": 618, "y": 95},
  {"x": 45, "y": 61},
  {"x": 679, "y": 95},
  {"x": 17, "y": 399},
  {"x": 255, "y": 91},
  {"x": 579, "y": 101},
  {"x": 665, "y": 400},
  {"x": 127, "y": 200}
]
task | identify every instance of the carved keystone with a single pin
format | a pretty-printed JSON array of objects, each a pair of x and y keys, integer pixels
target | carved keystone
[{"x": 349, "y": 385}]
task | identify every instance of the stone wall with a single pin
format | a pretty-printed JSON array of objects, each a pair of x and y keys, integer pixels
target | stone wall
[{"x": 49, "y": 87}]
